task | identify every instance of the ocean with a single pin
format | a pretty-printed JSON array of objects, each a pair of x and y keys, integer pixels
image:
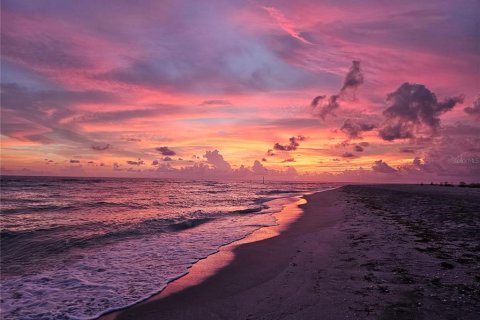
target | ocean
[{"x": 76, "y": 248}]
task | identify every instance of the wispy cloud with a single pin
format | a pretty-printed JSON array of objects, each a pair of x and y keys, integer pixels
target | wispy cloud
[{"x": 284, "y": 23}]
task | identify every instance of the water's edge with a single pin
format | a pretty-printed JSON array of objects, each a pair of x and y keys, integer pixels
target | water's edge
[{"x": 281, "y": 223}]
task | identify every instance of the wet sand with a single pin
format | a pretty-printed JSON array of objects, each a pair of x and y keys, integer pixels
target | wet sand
[{"x": 358, "y": 252}]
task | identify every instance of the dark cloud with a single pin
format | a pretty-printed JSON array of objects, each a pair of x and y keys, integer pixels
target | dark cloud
[
  {"x": 167, "y": 159},
  {"x": 264, "y": 160},
  {"x": 100, "y": 146},
  {"x": 270, "y": 153},
  {"x": 279, "y": 147},
  {"x": 316, "y": 101},
  {"x": 328, "y": 107},
  {"x": 358, "y": 148},
  {"x": 354, "y": 77},
  {"x": 353, "y": 129},
  {"x": 322, "y": 107},
  {"x": 343, "y": 144},
  {"x": 74, "y": 161},
  {"x": 139, "y": 162},
  {"x": 155, "y": 163},
  {"x": 165, "y": 151},
  {"x": 396, "y": 131},
  {"x": 348, "y": 155},
  {"x": 382, "y": 167},
  {"x": 417, "y": 162},
  {"x": 417, "y": 166},
  {"x": 474, "y": 110},
  {"x": 413, "y": 108},
  {"x": 293, "y": 145},
  {"x": 288, "y": 160}
]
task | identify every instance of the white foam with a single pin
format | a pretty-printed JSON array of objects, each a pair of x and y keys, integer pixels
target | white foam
[{"x": 120, "y": 274}]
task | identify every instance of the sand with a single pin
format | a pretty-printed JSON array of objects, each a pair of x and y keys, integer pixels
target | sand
[{"x": 358, "y": 252}]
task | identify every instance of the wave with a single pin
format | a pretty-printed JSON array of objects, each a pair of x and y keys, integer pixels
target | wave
[
  {"x": 60, "y": 238},
  {"x": 82, "y": 180},
  {"x": 270, "y": 192},
  {"x": 72, "y": 206},
  {"x": 249, "y": 210},
  {"x": 189, "y": 223},
  {"x": 130, "y": 205},
  {"x": 215, "y": 191},
  {"x": 37, "y": 208}
]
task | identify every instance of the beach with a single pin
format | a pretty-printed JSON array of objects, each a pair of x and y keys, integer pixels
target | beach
[{"x": 356, "y": 252}]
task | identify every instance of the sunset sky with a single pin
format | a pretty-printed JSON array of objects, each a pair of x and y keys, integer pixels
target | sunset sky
[{"x": 334, "y": 89}]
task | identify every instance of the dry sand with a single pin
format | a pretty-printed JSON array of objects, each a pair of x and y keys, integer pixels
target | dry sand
[{"x": 358, "y": 252}]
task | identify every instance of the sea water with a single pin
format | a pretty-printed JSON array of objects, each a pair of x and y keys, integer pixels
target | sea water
[{"x": 75, "y": 248}]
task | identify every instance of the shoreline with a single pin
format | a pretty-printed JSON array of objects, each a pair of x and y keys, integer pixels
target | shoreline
[
  {"x": 210, "y": 265},
  {"x": 355, "y": 252}
]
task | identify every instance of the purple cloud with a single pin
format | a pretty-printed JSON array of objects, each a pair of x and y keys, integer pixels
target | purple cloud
[
  {"x": 100, "y": 146},
  {"x": 216, "y": 159},
  {"x": 348, "y": 155},
  {"x": 352, "y": 81},
  {"x": 165, "y": 151},
  {"x": 139, "y": 162},
  {"x": 293, "y": 145},
  {"x": 474, "y": 110},
  {"x": 382, "y": 167},
  {"x": 354, "y": 77},
  {"x": 328, "y": 108},
  {"x": 258, "y": 168},
  {"x": 317, "y": 100},
  {"x": 358, "y": 148},
  {"x": 413, "y": 107},
  {"x": 353, "y": 129}
]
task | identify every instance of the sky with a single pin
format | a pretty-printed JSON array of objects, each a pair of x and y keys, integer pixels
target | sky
[{"x": 337, "y": 90}]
